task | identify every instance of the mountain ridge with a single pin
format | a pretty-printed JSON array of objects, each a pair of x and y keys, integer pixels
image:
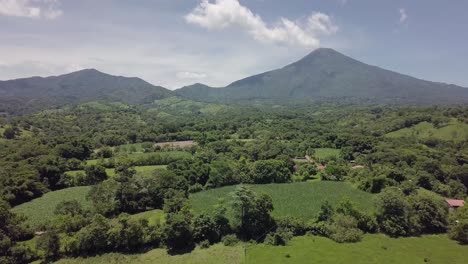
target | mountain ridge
[
  {"x": 325, "y": 74},
  {"x": 35, "y": 93}
]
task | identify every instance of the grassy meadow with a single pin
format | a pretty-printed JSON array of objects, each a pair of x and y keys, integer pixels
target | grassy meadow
[
  {"x": 139, "y": 156},
  {"x": 141, "y": 170},
  {"x": 307, "y": 249},
  {"x": 326, "y": 153},
  {"x": 40, "y": 210},
  {"x": 302, "y": 199},
  {"x": 154, "y": 217},
  {"x": 372, "y": 249},
  {"x": 212, "y": 255},
  {"x": 454, "y": 130}
]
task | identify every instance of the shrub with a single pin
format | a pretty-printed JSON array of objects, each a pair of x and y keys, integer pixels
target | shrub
[
  {"x": 344, "y": 229},
  {"x": 204, "y": 244},
  {"x": 195, "y": 188},
  {"x": 279, "y": 238},
  {"x": 292, "y": 224},
  {"x": 230, "y": 240},
  {"x": 458, "y": 228}
]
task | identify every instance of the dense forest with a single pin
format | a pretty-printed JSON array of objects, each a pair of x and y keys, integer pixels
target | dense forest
[{"x": 411, "y": 158}]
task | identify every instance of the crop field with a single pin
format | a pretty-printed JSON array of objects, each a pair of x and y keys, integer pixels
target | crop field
[
  {"x": 302, "y": 199},
  {"x": 212, "y": 255},
  {"x": 373, "y": 249},
  {"x": 40, "y": 210},
  {"x": 142, "y": 170},
  {"x": 140, "y": 156},
  {"x": 325, "y": 153},
  {"x": 454, "y": 130}
]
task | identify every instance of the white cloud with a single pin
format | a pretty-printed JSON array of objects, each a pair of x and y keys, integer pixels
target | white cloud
[
  {"x": 403, "y": 15},
  {"x": 48, "y": 9},
  {"x": 222, "y": 14},
  {"x": 190, "y": 75}
]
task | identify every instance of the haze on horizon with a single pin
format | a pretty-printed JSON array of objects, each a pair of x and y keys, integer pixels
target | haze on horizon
[{"x": 177, "y": 43}]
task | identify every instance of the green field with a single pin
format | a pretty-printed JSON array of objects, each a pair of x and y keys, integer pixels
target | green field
[
  {"x": 40, "y": 210},
  {"x": 454, "y": 130},
  {"x": 141, "y": 170},
  {"x": 154, "y": 217},
  {"x": 373, "y": 249},
  {"x": 212, "y": 255},
  {"x": 302, "y": 199},
  {"x": 308, "y": 249},
  {"x": 326, "y": 153},
  {"x": 184, "y": 106},
  {"x": 138, "y": 156}
]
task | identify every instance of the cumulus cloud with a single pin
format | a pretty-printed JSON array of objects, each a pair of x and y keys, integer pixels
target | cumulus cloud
[
  {"x": 403, "y": 15},
  {"x": 222, "y": 14},
  {"x": 190, "y": 75},
  {"x": 48, "y": 9}
]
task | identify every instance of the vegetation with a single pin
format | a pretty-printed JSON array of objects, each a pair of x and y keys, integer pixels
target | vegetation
[
  {"x": 92, "y": 179},
  {"x": 302, "y": 200},
  {"x": 372, "y": 249},
  {"x": 41, "y": 210}
]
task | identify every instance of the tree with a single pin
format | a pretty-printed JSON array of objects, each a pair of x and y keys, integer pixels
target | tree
[
  {"x": 9, "y": 133},
  {"x": 393, "y": 215},
  {"x": 458, "y": 228},
  {"x": 49, "y": 242},
  {"x": 11, "y": 231},
  {"x": 270, "y": 171},
  {"x": 178, "y": 232},
  {"x": 70, "y": 216},
  {"x": 430, "y": 213},
  {"x": 103, "y": 197},
  {"x": 95, "y": 174},
  {"x": 252, "y": 219},
  {"x": 93, "y": 238},
  {"x": 204, "y": 228},
  {"x": 128, "y": 234}
]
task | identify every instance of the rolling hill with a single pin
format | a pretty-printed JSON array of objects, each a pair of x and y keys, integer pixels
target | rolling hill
[
  {"x": 326, "y": 74},
  {"x": 28, "y": 94}
]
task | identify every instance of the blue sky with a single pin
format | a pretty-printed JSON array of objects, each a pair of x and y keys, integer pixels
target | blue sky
[{"x": 179, "y": 42}]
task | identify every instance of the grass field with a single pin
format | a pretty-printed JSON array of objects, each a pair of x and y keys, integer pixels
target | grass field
[
  {"x": 154, "y": 217},
  {"x": 212, "y": 255},
  {"x": 373, "y": 249},
  {"x": 40, "y": 210},
  {"x": 302, "y": 199},
  {"x": 137, "y": 156},
  {"x": 142, "y": 170},
  {"x": 307, "y": 249},
  {"x": 325, "y": 153},
  {"x": 454, "y": 130},
  {"x": 184, "y": 106}
]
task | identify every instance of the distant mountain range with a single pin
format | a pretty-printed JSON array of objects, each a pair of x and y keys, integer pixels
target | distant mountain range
[
  {"x": 323, "y": 75},
  {"x": 24, "y": 95},
  {"x": 326, "y": 74}
]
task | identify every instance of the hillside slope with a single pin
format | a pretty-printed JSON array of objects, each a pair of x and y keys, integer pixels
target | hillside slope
[
  {"x": 326, "y": 74},
  {"x": 77, "y": 87}
]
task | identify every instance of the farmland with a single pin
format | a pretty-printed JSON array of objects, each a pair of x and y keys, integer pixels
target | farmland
[
  {"x": 453, "y": 130},
  {"x": 301, "y": 200},
  {"x": 140, "y": 157},
  {"x": 142, "y": 170},
  {"x": 372, "y": 249},
  {"x": 40, "y": 210},
  {"x": 326, "y": 153}
]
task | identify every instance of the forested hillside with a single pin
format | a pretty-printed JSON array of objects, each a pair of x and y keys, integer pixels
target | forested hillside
[{"x": 104, "y": 177}]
